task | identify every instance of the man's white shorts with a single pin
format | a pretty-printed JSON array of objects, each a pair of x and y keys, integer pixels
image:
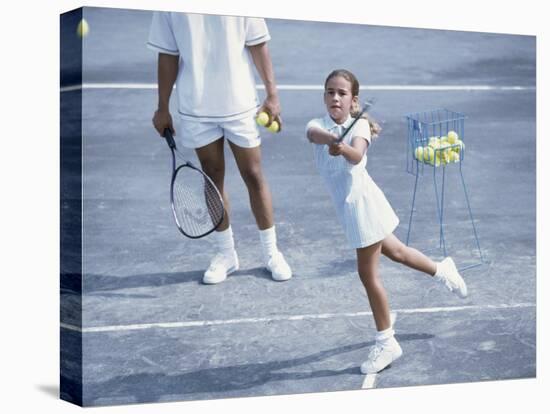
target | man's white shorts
[{"x": 242, "y": 132}]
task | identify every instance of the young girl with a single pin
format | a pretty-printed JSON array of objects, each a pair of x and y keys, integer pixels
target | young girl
[{"x": 363, "y": 211}]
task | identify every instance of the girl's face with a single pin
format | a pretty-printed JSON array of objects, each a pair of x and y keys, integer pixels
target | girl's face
[{"x": 338, "y": 98}]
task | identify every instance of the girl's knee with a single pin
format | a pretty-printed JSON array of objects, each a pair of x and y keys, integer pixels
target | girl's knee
[{"x": 397, "y": 253}]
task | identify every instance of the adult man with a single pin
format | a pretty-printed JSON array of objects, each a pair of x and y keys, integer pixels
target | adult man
[{"x": 208, "y": 57}]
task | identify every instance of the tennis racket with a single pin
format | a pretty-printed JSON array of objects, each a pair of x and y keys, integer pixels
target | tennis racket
[
  {"x": 196, "y": 202},
  {"x": 367, "y": 105}
]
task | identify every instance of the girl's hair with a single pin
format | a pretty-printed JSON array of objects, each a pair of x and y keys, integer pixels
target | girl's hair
[{"x": 375, "y": 128}]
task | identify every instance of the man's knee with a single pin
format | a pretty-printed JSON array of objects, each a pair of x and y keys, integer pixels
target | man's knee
[
  {"x": 253, "y": 177},
  {"x": 215, "y": 171}
]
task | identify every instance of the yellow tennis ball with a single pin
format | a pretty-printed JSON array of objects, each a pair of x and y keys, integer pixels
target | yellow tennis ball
[
  {"x": 458, "y": 146},
  {"x": 419, "y": 153},
  {"x": 262, "y": 119},
  {"x": 434, "y": 142},
  {"x": 274, "y": 127},
  {"x": 454, "y": 157},
  {"x": 429, "y": 154},
  {"x": 452, "y": 137},
  {"x": 83, "y": 28}
]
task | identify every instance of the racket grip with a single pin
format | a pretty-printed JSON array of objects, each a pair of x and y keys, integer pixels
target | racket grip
[{"x": 169, "y": 138}]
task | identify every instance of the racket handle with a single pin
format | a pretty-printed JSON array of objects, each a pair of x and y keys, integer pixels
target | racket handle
[{"x": 169, "y": 138}]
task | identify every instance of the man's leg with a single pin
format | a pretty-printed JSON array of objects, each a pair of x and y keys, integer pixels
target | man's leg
[
  {"x": 225, "y": 261},
  {"x": 249, "y": 164},
  {"x": 250, "y": 167},
  {"x": 212, "y": 161}
]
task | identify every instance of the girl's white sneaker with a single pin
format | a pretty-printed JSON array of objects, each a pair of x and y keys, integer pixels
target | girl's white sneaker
[
  {"x": 381, "y": 355},
  {"x": 447, "y": 274}
]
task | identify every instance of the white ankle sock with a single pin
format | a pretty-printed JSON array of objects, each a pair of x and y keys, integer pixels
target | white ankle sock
[
  {"x": 268, "y": 240},
  {"x": 224, "y": 240},
  {"x": 385, "y": 335}
]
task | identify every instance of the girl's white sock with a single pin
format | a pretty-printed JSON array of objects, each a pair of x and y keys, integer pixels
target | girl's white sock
[
  {"x": 268, "y": 240},
  {"x": 385, "y": 335}
]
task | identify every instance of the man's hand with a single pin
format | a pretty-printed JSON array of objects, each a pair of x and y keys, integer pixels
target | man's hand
[
  {"x": 161, "y": 121},
  {"x": 272, "y": 107}
]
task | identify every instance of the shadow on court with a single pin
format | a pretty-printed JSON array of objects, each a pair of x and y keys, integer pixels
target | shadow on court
[
  {"x": 95, "y": 283},
  {"x": 209, "y": 381}
]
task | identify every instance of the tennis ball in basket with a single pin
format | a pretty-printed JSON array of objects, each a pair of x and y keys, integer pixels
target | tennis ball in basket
[
  {"x": 419, "y": 153},
  {"x": 454, "y": 156},
  {"x": 262, "y": 119},
  {"x": 452, "y": 137},
  {"x": 429, "y": 155},
  {"x": 459, "y": 146},
  {"x": 82, "y": 29},
  {"x": 434, "y": 142},
  {"x": 274, "y": 127}
]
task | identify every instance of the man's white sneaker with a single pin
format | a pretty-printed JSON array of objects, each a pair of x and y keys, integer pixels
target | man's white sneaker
[
  {"x": 381, "y": 355},
  {"x": 222, "y": 264},
  {"x": 279, "y": 268},
  {"x": 448, "y": 275}
]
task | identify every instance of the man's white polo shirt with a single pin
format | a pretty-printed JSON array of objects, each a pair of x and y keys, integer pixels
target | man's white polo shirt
[{"x": 215, "y": 80}]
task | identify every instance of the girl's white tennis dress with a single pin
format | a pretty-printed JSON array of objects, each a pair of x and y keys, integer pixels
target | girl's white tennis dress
[{"x": 364, "y": 212}]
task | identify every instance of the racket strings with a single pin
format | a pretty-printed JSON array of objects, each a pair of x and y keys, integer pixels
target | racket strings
[{"x": 196, "y": 201}]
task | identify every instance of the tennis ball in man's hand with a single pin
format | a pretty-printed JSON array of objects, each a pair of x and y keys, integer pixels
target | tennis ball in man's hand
[
  {"x": 262, "y": 119},
  {"x": 82, "y": 29},
  {"x": 274, "y": 127}
]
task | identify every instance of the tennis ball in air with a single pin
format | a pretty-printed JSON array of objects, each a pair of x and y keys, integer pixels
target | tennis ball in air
[
  {"x": 82, "y": 29},
  {"x": 419, "y": 153},
  {"x": 262, "y": 119},
  {"x": 274, "y": 127},
  {"x": 452, "y": 137}
]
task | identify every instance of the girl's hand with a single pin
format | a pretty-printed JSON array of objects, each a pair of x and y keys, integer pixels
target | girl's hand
[{"x": 336, "y": 149}]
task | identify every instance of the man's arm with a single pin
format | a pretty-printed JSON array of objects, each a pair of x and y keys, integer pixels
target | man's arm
[
  {"x": 167, "y": 73},
  {"x": 262, "y": 60}
]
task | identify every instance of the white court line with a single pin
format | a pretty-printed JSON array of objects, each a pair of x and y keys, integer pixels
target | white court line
[
  {"x": 190, "y": 324},
  {"x": 321, "y": 87},
  {"x": 369, "y": 382}
]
